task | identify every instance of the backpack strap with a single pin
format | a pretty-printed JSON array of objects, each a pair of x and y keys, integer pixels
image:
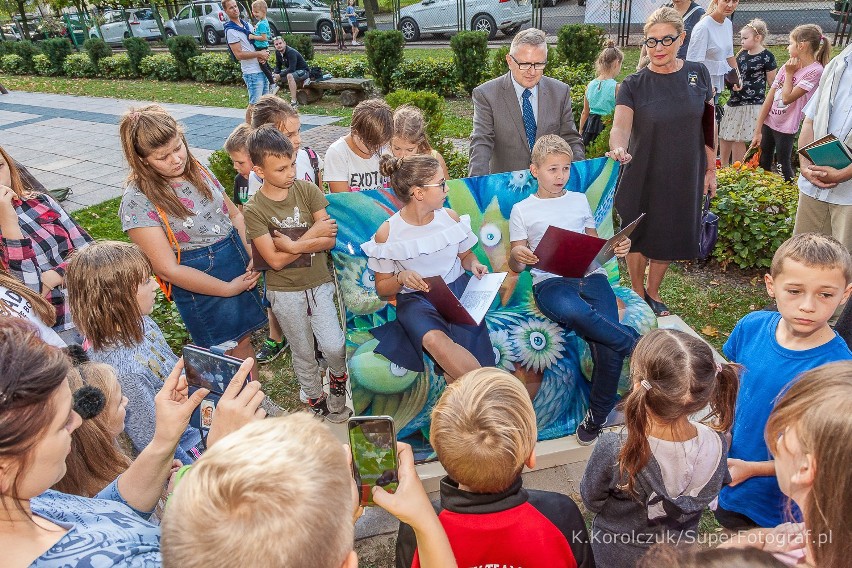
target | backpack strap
[{"x": 314, "y": 159}]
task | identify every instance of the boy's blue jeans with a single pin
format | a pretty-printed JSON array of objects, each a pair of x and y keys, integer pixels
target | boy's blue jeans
[{"x": 588, "y": 307}]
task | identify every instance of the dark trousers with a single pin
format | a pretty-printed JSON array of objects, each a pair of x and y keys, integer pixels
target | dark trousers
[
  {"x": 587, "y": 306},
  {"x": 267, "y": 70},
  {"x": 779, "y": 145},
  {"x": 732, "y": 520}
]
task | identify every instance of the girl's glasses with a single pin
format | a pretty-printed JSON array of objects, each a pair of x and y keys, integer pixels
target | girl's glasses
[
  {"x": 442, "y": 184},
  {"x": 651, "y": 42}
]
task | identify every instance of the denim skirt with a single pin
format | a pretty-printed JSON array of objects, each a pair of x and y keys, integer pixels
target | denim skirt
[{"x": 212, "y": 320}]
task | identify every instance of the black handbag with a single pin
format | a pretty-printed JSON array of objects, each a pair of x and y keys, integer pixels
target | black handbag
[{"x": 708, "y": 231}]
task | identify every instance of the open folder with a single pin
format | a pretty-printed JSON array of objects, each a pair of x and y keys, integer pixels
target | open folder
[
  {"x": 574, "y": 255},
  {"x": 477, "y": 297}
]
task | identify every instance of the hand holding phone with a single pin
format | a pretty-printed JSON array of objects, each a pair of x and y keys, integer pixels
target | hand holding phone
[{"x": 372, "y": 441}]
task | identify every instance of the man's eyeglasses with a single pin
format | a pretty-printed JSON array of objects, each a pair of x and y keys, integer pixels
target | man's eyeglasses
[
  {"x": 442, "y": 184},
  {"x": 526, "y": 66},
  {"x": 651, "y": 42}
]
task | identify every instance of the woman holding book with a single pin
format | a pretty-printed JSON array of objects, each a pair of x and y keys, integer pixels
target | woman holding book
[
  {"x": 658, "y": 137},
  {"x": 425, "y": 239}
]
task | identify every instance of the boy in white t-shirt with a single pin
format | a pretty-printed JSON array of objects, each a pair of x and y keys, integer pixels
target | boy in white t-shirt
[
  {"x": 352, "y": 162},
  {"x": 585, "y": 305}
]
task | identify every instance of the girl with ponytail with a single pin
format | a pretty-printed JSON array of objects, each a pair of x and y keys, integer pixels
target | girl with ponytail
[{"x": 652, "y": 480}]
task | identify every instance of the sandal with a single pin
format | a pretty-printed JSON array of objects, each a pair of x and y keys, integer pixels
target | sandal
[{"x": 660, "y": 309}]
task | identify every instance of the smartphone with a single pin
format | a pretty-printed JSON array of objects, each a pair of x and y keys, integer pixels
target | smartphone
[
  {"x": 372, "y": 441},
  {"x": 205, "y": 369}
]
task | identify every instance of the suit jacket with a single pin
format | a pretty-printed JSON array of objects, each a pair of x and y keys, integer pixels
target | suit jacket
[{"x": 499, "y": 141}]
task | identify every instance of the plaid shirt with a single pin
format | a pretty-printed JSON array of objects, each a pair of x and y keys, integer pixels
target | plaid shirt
[{"x": 50, "y": 235}]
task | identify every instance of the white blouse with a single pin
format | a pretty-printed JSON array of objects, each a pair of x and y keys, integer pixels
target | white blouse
[{"x": 429, "y": 250}]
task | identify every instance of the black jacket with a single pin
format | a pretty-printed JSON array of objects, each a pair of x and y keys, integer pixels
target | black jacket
[{"x": 289, "y": 61}]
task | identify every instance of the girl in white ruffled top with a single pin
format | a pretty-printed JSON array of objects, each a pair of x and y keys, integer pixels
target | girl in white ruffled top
[{"x": 425, "y": 239}]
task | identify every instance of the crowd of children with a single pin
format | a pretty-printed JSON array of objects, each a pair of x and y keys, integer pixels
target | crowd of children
[{"x": 760, "y": 440}]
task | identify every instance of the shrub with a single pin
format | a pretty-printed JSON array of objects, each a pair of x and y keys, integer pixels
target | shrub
[
  {"x": 6, "y": 47},
  {"x": 137, "y": 48},
  {"x": 431, "y": 104},
  {"x": 384, "y": 53},
  {"x": 26, "y": 50},
  {"x": 79, "y": 65},
  {"x": 223, "y": 168},
  {"x": 601, "y": 144},
  {"x": 13, "y": 63},
  {"x": 457, "y": 162},
  {"x": 215, "y": 68},
  {"x": 580, "y": 43},
  {"x": 97, "y": 49},
  {"x": 756, "y": 212},
  {"x": 160, "y": 66},
  {"x": 115, "y": 66},
  {"x": 301, "y": 43},
  {"x": 471, "y": 57},
  {"x": 436, "y": 75},
  {"x": 350, "y": 66},
  {"x": 183, "y": 48},
  {"x": 42, "y": 65},
  {"x": 577, "y": 77},
  {"x": 57, "y": 49}
]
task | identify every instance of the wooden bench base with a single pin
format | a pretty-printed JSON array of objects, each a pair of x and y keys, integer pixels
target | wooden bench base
[{"x": 352, "y": 91}]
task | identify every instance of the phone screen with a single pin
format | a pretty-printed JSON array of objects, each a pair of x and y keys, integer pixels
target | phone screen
[
  {"x": 209, "y": 370},
  {"x": 372, "y": 441}
]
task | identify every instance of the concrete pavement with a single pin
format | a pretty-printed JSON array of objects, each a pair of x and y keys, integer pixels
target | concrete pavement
[{"x": 69, "y": 141}]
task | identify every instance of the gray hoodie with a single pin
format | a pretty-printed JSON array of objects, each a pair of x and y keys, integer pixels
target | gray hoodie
[{"x": 625, "y": 527}]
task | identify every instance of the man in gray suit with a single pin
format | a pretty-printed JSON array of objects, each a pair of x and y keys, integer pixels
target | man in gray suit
[{"x": 511, "y": 112}]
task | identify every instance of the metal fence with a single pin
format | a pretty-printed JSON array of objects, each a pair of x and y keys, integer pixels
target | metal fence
[{"x": 425, "y": 20}]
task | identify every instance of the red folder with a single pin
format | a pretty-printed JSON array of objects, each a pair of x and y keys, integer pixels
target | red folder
[
  {"x": 440, "y": 296},
  {"x": 567, "y": 253},
  {"x": 294, "y": 233},
  {"x": 708, "y": 125}
]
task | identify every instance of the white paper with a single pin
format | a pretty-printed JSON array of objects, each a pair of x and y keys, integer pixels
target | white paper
[{"x": 480, "y": 293}]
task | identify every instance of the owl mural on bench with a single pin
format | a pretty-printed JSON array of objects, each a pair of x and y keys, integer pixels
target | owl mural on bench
[{"x": 553, "y": 362}]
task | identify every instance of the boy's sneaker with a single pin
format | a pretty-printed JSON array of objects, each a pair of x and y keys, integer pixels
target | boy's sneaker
[
  {"x": 337, "y": 399},
  {"x": 588, "y": 431},
  {"x": 319, "y": 406},
  {"x": 294, "y": 104},
  {"x": 270, "y": 350}
]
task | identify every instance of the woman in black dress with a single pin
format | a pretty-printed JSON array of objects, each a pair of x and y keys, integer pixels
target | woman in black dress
[{"x": 658, "y": 138}]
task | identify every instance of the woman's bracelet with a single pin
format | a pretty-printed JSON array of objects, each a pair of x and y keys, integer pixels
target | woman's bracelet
[{"x": 397, "y": 277}]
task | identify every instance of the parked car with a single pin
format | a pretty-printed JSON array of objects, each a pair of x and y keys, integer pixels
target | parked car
[
  {"x": 11, "y": 32},
  {"x": 115, "y": 27},
  {"x": 309, "y": 17},
  {"x": 202, "y": 20},
  {"x": 441, "y": 16}
]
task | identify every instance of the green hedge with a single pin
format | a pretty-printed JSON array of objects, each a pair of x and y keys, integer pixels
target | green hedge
[
  {"x": 215, "y": 68},
  {"x": 97, "y": 49},
  {"x": 57, "y": 49},
  {"x": 183, "y": 48},
  {"x": 223, "y": 168},
  {"x": 301, "y": 43},
  {"x": 470, "y": 50},
  {"x": 577, "y": 77},
  {"x": 431, "y": 104},
  {"x": 26, "y": 50},
  {"x": 79, "y": 65},
  {"x": 13, "y": 63},
  {"x": 384, "y": 53},
  {"x": 756, "y": 211},
  {"x": 433, "y": 74},
  {"x": 347, "y": 66},
  {"x": 580, "y": 43},
  {"x": 116, "y": 66},
  {"x": 137, "y": 48},
  {"x": 160, "y": 66},
  {"x": 42, "y": 65}
]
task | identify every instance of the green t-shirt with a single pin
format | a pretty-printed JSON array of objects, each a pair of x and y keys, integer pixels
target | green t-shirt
[{"x": 303, "y": 200}]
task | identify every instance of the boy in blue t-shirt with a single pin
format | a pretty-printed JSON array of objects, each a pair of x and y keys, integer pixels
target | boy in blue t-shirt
[
  {"x": 260, "y": 37},
  {"x": 810, "y": 276}
]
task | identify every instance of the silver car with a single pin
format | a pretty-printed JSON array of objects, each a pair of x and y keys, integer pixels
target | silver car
[
  {"x": 441, "y": 16},
  {"x": 115, "y": 28},
  {"x": 309, "y": 17},
  {"x": 202, "y": 20}
]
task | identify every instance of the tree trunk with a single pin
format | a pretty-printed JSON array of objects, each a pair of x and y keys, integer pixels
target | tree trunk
[
  {"x": 371, "y": 7},
  {"x": 25, "y": 27}
]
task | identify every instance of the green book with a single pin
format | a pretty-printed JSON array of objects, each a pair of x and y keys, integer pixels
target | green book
[{"x": 828, "y": 151}]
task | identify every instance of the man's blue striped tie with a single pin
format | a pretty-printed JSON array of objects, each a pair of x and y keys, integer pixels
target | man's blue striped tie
[{"x": 529, "y": 117}]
